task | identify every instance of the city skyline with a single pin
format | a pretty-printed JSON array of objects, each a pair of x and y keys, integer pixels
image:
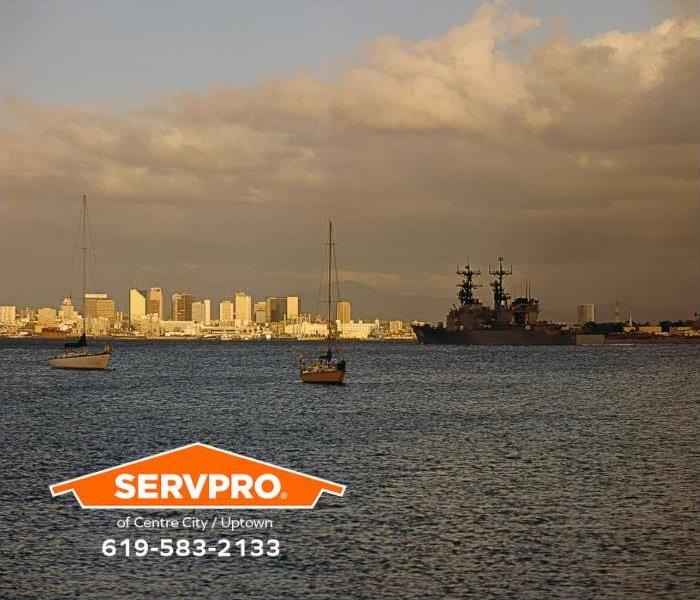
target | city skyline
[
  {"x": 566, "y": 144},
  {"x": 239, "y": 305}
]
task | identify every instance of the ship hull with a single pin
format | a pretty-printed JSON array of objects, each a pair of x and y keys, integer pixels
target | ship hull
[
  {"x": 83, "y": 362},
  {"x": 334, "y": 376},
  {"x": 426, "y": 334}
]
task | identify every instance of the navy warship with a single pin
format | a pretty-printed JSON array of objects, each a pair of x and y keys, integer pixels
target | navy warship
[{"x": 506, "y": 324}]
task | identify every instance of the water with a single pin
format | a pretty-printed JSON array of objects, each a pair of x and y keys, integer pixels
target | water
[{"x": 523, "y": 473}]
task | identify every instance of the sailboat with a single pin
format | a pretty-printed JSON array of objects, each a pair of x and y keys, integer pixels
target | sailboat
[
  {"x": 329, "y": 367},
  {"x": 77, "y": 354}
]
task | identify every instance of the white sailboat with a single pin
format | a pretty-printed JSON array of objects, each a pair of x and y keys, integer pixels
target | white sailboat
[{"x": 77, "y": 355}]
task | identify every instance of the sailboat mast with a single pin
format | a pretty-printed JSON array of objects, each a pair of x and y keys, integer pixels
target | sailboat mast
[
  {"x": 330, "y": 262},
  {"x": 84, "y": 250}
]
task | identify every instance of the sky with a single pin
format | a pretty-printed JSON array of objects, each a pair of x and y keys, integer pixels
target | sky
[{"x": 215, "y": 139}]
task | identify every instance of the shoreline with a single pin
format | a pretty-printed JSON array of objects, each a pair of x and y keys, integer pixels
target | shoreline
[{"x": 676, "y": 340}]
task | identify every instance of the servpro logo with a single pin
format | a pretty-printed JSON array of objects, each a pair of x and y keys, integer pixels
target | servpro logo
[{"x": 197, "y": 476}]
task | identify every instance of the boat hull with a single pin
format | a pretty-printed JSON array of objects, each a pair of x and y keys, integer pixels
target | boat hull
[
  {"x": 427, "y": 334},
  {"x": 85, "y": 362},
  {"x": 335, "y": 376}
]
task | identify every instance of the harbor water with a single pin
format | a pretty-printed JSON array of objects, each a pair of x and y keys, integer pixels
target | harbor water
[{"x": 471, "y": 472}]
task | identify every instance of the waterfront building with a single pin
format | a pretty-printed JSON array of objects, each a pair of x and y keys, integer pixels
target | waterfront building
[
  {"x": 396, "y": 327},
  {"x": 137, "y": 304},
  {"x": 99, "y": 305},
  {"x": 149, "y": 325},
  {"x": 181, "y": 307},
  {"x": 180, "y": 328},
  {"x": 306, "y": 329},
  {"x": 586, "y": 314},
  {"x": 358, "y": 330},
  {"x": 683, "y": 331},
  {"x": 244, "y": 309},
  {"x": 344, "y": 311},
  {"x": 8, "y": 314},
  {"x": 98, "y": 325},
  {"x": 155, "y": 304},
  {"x": 225, "y": 312},
  {"x": 650, "y": 329}
]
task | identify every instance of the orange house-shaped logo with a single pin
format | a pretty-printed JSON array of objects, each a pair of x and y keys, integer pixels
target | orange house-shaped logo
[{"x": 197, "y": 476}]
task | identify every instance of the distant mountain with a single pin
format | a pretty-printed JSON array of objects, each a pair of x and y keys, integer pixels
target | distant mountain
[{"x": 369, "y": 303}]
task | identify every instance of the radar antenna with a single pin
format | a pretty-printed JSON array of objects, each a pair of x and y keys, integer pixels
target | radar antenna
[
  {"x": 500, "y": 298},
  {"x": 467, "y": 285}
]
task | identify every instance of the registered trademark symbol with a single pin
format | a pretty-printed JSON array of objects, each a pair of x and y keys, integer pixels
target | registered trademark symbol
[{"x": 283, "y": 495}]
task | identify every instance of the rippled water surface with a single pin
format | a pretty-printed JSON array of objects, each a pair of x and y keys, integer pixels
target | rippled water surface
[{"x": 472, "y": 472}]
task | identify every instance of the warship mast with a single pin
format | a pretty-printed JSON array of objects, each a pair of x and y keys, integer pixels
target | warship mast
[
  {"x": 467, "y": 285},
  {"x": 500, "y": 298}
]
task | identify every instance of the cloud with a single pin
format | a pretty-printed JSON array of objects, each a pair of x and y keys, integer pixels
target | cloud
[{"x": 578, "y": 159}]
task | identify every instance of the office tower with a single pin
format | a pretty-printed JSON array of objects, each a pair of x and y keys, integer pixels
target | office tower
[
  {"x": 396, "y": 327},
  {"x": 244, "y": 309},
  {"x": 67, "y": 311},
  {"x": 259, "y": 312},
  {"x": 155, "y": 304},
  {"x": 586, "y": 313},
  {"x": 8, "y": 314},
  {"x": 207, "y": 311},
  {"x": 99, "y": 305},
  {"x": 46, "y": 316},
  {"x": 181, "y": 307},
  {"x": 275, "y": 309},
  {"x": 137, "y": 305},
  {"x": 344, "y": 311},
  {"x": 201, "y": 312},
  {"x": 198, "y": 312},
  {"x": 293, "y": 307},
  {"x": 225, "y": 312},
  {"x": 27, "y": 313}
]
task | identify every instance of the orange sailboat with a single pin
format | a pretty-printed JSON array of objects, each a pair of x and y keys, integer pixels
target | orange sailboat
[{"x": 330, "y": 367}]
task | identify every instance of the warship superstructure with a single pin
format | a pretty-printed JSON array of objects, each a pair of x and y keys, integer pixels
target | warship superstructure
[{"x": 507, "y": 323}]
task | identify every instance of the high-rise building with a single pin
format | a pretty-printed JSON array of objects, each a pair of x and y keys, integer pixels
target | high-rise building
[
  {"x": 198, "y": 312},
  {"x": 181, "y": 307},
  {"x": 396, "y": 327},
  {"x": 275, "y": 309},
  {"x": 293, "y": 307},
  {"x": 137, "y": 305},
  {"x": 225, "y": 312},
  {"x": 46, "y": 316},
  {"x": 155, "y": 304},
  {"x": 586, "y": 314},
  {"x": 270, "y": 306},
  {"x": 259, "y": 311},
  {"x": 344, "y": 311},
  {"x": 8, "y": 314},
  {"x": 207, "y": 311},
  {"x": 244, "y": 309},
  {"x": 67, "y": 311},
  {"x": 27, "y": 313},
  {"x": 99, "y": 305},
  {"x": 201, "y": 312}
]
